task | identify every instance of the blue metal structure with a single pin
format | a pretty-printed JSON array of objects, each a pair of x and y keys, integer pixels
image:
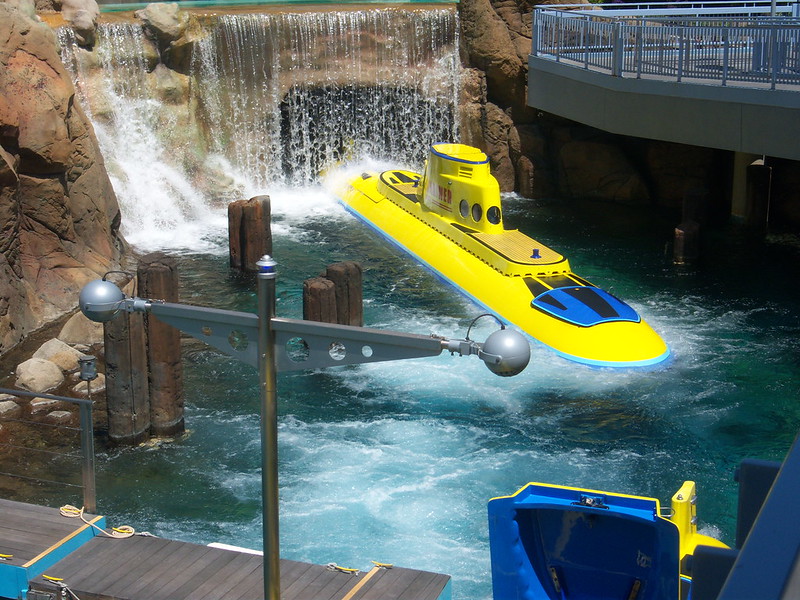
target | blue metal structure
[{"x": 552, "y": 542}]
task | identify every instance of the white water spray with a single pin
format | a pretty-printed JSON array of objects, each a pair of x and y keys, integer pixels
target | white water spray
[{"x": 273, "y": 101}]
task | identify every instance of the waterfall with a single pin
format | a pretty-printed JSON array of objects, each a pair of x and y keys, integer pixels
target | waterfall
[{"x": 268, "y": 100}]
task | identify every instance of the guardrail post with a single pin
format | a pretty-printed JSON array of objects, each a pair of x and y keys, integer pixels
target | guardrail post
[
  {"x": 535, "y": 33},
  {"x": 681, "y": 46},
  {"x": 559, "y": 36},
  {"x": 617, "y": 50},
  {"x": 773, "y": 57},
  {"x": 639, "y": 50},
  {"x": 586, "y": 37},
  {"x": 726, "y": 45}
]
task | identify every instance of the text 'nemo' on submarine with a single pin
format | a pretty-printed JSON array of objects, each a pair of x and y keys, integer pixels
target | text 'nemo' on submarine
[{"x": 449, "y": 218}]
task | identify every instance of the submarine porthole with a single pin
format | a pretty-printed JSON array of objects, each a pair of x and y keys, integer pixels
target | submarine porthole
[
  {"x": 297, "y": 350},
  {"x": 477, "y": 212},
  {"x": 463, "y": 208},
  {"x": 366, "y": 351},
  {"x": 493, "y": 215},
  {"x": 337, "y": 351}
]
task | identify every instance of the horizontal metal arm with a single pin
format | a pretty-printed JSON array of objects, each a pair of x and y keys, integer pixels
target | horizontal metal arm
[
  {"x": 298, "y": 344},
  {"x": 234, "y": 333},
  {"x": 314, "y": 345}
]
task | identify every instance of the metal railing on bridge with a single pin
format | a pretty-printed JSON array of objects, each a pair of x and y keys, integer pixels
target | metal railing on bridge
[{"x": 756, "y": 44}]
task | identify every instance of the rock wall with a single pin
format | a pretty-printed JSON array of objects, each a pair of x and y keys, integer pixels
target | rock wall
[{"x": 59, "y": 216}]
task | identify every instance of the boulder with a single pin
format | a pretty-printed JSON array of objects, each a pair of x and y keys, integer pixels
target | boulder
[
  {"x": 44, "y": 405},
  {"x": 82, "y": 15},
  {"x": 164, "y": 21},
  {"x": 169, "y": 86},
  {"x": 26, "y": 7},
  {"x": 38, "y": 375},
  {"x": 60, "y": 417},
  {"x": 63, "y": 355},
  {"x": 98, "y": 385},
  {"x": 9, "y": 409},
  {"x": 80, "y": 330}
]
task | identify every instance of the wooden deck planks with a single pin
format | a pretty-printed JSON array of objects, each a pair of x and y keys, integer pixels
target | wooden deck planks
[
  {"x": 27, "y": 530},
  {"x": 149, "y": 568}
]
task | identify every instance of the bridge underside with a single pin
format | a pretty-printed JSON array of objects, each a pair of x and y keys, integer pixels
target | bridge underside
[{"x": 741, "y": 119}]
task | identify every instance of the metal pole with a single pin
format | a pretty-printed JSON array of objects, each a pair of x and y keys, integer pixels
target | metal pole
[
  {"x": 88, "y": 373},
  {"x": 87, "y": 448},
  {"x": 267, "y": 378}
]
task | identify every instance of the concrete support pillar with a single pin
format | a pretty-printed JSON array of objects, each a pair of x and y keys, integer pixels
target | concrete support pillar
[
  {"x": 249, "y": 232},
  {"x": 127, "y": 396},
  {"x": 158, "y": 279},
  {"x": 741, "y": 162}
]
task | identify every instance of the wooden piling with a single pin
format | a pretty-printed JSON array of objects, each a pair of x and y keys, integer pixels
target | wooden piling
[
  {"x": 759, "y": 189},
  {"x": 127, "y": 394},
  {"x": 158, "y": 279},
  {"x": 335, "y": 296},
  {"x": 319, "y": 300},
  {"x": 346, "y": 277},
  {"x": 249, "y": 233},
  {"x": 686, "y": 247}
]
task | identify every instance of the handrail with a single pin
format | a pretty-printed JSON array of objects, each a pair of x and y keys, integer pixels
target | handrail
[
  {"x": 87, "y": 441},
  {"x": 714, "y": 7},
  {"x": 756, "y": 51}
]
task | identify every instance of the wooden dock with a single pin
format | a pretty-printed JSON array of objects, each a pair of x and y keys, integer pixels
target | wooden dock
[{"x": 151, "y": 568}]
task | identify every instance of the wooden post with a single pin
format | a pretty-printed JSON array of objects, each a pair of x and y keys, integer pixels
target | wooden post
[
  {"x": 319, "y": 300},
  {"x": 158, "y": 280},
  {"x": 346, "y": 277},
  {"x": 335, "y": 296},
  {"x": 126, "y": 379},
  {"x": 759, "y": 187},
  {"x": 686, "y": 248},
  {"x": 249, "y": 233}
]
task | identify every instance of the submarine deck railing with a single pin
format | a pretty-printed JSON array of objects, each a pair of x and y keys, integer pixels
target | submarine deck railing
[
  {"x": 755, "y": 44},
  {"x": 86, "y": 441}
]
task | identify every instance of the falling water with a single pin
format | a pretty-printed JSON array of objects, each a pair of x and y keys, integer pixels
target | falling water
[
  {"x": 313, "y": 89},
  {"x": 273, "y": 100}
]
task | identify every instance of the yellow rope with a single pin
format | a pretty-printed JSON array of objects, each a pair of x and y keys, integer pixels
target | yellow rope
[
  {"x": 334, "y": 567},
  {"x": 124, "y": 531}
]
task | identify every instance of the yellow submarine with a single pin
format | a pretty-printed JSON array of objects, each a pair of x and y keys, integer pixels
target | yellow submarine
[{"x": 450, "y": 219}]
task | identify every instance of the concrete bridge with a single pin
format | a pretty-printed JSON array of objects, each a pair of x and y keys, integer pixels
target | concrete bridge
[{"x": 710, "y": 74}]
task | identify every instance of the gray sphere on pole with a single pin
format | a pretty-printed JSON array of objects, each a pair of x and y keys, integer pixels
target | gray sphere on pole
[
  {"x": 512, "y": 347},
  {"x": 100, "y": 300}
]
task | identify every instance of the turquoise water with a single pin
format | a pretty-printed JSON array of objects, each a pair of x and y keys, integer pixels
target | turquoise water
[{"x": 395, "y": 462}]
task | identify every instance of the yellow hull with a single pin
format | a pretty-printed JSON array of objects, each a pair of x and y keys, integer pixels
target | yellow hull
[{"x": 486, "y": 269}]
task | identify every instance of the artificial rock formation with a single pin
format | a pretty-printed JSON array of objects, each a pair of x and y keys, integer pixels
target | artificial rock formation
[{"x": 59, "y": 218}]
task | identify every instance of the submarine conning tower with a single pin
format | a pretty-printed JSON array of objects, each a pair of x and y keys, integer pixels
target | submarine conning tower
[{"x": 457, "y": 184}]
